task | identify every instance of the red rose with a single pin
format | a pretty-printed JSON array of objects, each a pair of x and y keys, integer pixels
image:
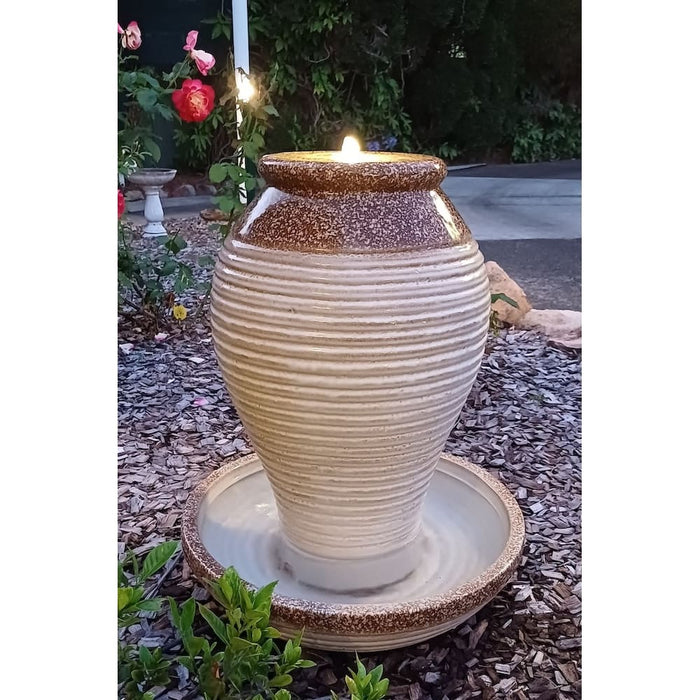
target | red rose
[
  {"x": 121, "y": 204},
  {"x": 194, "y": 101}
]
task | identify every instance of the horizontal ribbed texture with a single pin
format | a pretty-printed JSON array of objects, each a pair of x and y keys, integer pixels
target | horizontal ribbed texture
[{"x": 348, "y": 371}]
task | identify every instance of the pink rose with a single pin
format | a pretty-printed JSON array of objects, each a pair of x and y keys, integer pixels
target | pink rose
[
  {"x": 194, "y": 101},
  {"x": 191, "y": 40},
  {"x": 119, "y": 28},
  {"x": 203, "y": 60},
  {"x": 131, "y": 39}
]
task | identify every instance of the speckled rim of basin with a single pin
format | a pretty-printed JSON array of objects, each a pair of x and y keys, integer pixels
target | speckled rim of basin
[
  {"x": 372, "y": 618},
  {"x": 375, "y": 171}
]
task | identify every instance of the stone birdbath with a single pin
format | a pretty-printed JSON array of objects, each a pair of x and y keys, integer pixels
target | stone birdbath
[
  {"x": 151, "y": 180},
  {"x": 350, "y": 309}
]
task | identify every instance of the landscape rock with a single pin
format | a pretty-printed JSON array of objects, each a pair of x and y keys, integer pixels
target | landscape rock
[
  {"x": 185, "y": 190},
  {"x": 205, "y": 188},
  {"x": 561, "y": 326},
  {"x": 213, "y": 215},
  {"x": 133, "y": 195},
  {"x": 501, "y": 283}
]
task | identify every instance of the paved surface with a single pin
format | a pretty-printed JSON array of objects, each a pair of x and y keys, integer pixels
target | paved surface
[
  {"x": 527, "y": 218},
  {"x": 558, "y": 170},
  {"x": 500, "y": 208},
  {"x": 548, "y": 270}
]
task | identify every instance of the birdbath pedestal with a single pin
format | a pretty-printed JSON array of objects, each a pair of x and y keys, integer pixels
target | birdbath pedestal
[{"x": 151, "y": 180}]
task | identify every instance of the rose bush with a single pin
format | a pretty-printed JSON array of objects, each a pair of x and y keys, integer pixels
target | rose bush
[
  {"x": 150, "y": 282},
  {"x": 145, "y": 96}
]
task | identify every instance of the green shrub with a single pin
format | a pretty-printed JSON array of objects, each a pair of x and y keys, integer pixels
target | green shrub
[
  {"x": 553, "y": 136},
  {"x": 238, "y": 659}
]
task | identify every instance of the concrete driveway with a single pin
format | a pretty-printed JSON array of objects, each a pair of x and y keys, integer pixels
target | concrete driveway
[{"x": 528, "y": 219}]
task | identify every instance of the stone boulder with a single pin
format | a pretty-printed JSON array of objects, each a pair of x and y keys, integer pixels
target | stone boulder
[
  {"x": 205, "y": 188},
  {"x": 501, "y": 283},
  {"x": 562, "y": 327},
  {"x": 184, "y": 190}
]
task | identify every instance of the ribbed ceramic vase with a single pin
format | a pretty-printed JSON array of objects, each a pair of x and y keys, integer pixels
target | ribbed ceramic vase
[{"x": 350, "y": 309}]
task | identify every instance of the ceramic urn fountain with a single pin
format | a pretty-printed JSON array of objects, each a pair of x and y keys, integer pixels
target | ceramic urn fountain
[{"x": 349, "y": 312}]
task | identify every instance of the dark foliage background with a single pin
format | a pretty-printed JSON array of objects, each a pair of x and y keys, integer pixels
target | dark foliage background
[{"x": 466, "y": 79}]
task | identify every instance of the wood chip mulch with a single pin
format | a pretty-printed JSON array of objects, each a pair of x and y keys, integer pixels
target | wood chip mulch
[{"x": 522, "y": 422}]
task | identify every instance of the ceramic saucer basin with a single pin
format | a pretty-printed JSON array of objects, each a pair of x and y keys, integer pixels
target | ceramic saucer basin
[{"x": 473, "y": 537}]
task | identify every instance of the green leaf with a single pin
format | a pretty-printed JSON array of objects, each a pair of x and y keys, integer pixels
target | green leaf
[
  {"x": 263, "y": 597},
  {"x": 305, "y": 663},
  {"x": 152, "y": 147},
  {"x": 125, "y": 282},
  {"x": 145, "y": 655},
  {"x": 382, "y": 687},
  {"x": 121, "y": 576},
  {"x": 271, "y": 110},
  {"x": 280, "y": 681},
  {"x": 152, "y": 605},
  {"x": 124, "y": 598},
  {"x": 205, "y": 261},
  {"x": 376, "y": 672},
  {"x": 175, "y": 244},
  {"x": 282, "y": 695},
  {"x": 165, "y": 112},
  {"x": 169, "y": 266},
  {"x": 157, "y": 558},
  {"x": 226, "y": 587},
  {"x": 187, "y": 614},
  {"x": 214, "y": 622},
  {"x": 174, "y": 612},
  {"x": 503, "y": 297},
  {"x": 225, "y": 203},
  {"x": 249, "y": 150},
  {"x": 240, "y": 644},
  {"x": 147, "y": 98},
  {"x": 217, "y": 172},
  {"x": 183, "y": 279}
]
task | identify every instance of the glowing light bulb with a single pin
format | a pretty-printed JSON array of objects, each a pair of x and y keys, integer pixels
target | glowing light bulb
[
  {"x": 350, "y": 151},
  {"x": 350, "y": 145},
  {"x": 246, "y": 89}
]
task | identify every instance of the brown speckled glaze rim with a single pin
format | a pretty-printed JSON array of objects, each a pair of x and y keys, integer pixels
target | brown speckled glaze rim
[
  {"x": 319, "y": 172},
  {"x": 343, "y": 618}
]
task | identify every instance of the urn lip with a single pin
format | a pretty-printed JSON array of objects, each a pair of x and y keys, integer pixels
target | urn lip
[{"x": 308, "y": 172}]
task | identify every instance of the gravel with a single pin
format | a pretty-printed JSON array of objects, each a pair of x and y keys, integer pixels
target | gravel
[{"x": 522, "y": 422}]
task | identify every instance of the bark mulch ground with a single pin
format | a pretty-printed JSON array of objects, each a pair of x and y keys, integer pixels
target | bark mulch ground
[{"x": 522, "y": 422}]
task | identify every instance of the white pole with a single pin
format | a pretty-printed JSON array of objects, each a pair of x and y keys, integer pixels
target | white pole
[
  {"x": 241, "y": 60},
  {"x": 239, "y": 16}
]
